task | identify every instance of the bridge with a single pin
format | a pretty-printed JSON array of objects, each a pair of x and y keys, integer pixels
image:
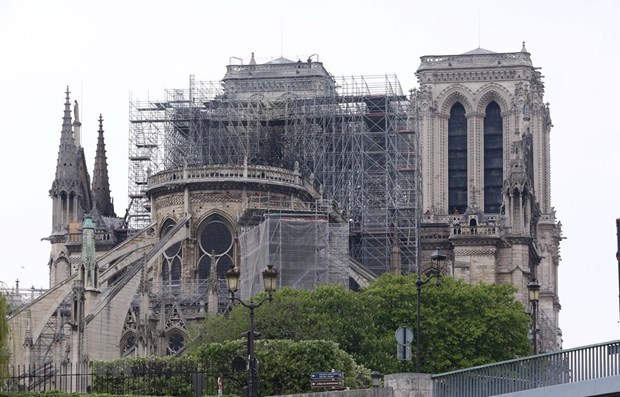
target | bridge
[{"x": 585, "y": 371}]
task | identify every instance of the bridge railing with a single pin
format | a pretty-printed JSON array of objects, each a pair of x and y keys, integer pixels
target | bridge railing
[{"x": 565, "y": 366}]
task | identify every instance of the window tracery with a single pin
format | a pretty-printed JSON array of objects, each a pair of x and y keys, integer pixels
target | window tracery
[
  {"x": 176, "y": 342},
  {"x": 171, "y": 258},
  {"x": 493, "y": 158},
  {"x": 457, "y": 159},
  {"x": 216, "y": 248}
]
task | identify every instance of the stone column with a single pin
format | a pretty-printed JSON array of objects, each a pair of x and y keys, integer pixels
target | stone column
[
  {"x": 475, "y": 157},
  {"x": 437, "y": 177}
]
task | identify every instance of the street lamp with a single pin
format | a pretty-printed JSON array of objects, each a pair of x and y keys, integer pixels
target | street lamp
[
  {"x": 435, "y": 272},
  {"x": 270, "y": 276},
  {"x": 533, "y": 291}
]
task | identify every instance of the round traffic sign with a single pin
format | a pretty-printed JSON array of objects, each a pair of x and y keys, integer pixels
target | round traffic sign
[{"x": 404, "y": 336}]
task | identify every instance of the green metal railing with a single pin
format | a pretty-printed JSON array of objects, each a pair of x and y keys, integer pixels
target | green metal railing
[{"x": 565, "y": 366}]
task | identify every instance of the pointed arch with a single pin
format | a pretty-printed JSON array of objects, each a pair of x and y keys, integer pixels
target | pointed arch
[
  {"x": 492, "y": 92},
  {"x": 216, "y": 237},
  {"x": 128, "y": 340},
  {"x": 493, "y": 143},
  {"x": 62, "y": 269},
  {"x": 172, "y": 257},
  {"x": 455, "y": 94},
  {"x": 176, "y": 338},
  {"x": 457, "y": 159},
  {"x": 493, "y": 101},
  {"x": 176, "y": 330},
  {"x": 210, "y": 214}
]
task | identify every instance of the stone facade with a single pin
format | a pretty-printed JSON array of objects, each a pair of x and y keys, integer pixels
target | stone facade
[{"x": 484, "y": 137}]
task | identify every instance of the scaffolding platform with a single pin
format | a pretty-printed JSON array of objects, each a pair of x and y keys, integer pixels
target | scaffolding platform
[{"x": 350, "y": 135}]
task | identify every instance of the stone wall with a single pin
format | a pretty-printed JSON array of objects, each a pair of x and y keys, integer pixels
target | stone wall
[
  {"x": 409, "y": 384},
  {"x": 375, "y": 392},
  {"x": 395, "y": 385}
]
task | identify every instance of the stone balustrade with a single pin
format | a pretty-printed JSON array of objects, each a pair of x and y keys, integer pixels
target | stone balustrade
[
  {"x": 224, "y": 173},
  {"x": 100, "y": 236},
  {"x": 446, "y": 61},
  {"x": 479, "y": 230}
]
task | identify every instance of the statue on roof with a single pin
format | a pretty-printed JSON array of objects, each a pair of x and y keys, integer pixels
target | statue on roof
[{"x": 76, "y": 111}]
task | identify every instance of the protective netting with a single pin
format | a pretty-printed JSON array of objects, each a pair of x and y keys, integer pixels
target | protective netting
[{"x": 306, "y": 250}]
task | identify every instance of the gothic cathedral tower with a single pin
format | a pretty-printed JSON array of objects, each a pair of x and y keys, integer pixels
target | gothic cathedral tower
[
  {"x": 484, "y": 136},
  {"x": 71, "y": 197}
]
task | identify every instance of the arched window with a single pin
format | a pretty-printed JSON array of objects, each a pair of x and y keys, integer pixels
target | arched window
[
  {"x": 457, "y": 160},
  {"x": 176, "y": 341},
  {"x": 171, "y": 258},
  {"x": 128, "y": 344},
  {"x": 493, "y": 158},
  {"x": 215, "y": 241}
]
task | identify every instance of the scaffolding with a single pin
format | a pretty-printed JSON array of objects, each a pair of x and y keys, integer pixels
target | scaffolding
[
  {"x": 350, "y": 134},
  {"x": 306, "y": 248}
]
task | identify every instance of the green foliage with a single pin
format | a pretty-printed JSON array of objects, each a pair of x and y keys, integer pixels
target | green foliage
[
  {"x": 284, "y": 365},
  {"x": 4, "y": 339},
  {"x": 462, "y": 325},
  {"x": 326, "y": 313},
  {"x": 162, "y": 376}
]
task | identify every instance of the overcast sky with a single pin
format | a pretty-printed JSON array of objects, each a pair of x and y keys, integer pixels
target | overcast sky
[{"x": 110, "y": 51}]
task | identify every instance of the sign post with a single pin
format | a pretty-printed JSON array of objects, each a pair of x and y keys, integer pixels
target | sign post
[
  {"x": 332, "y": 380},
  {"x": 404, "y": 337}
]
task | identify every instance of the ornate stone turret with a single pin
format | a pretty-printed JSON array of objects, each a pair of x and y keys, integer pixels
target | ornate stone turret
[
  {"x": 70, "y": 190},
  {"x": 519, "y": 201},
  {"x": 71, "y": 197},
  {"x": 101, "y": 183},
  {"x": 64, "y": 187}
]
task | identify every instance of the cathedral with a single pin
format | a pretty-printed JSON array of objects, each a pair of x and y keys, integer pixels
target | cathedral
[{"x": 330, "y": 180}]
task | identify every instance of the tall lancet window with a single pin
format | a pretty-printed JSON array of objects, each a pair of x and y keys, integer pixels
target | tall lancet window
[
  {"x": 457, "y": 160},
  {"x": 216, "y": 243},
  {"x": 171, "y": 258},
  {"x": 493, "y": 158}
]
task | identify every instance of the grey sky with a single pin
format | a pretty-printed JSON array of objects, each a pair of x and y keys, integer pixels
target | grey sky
[{"x": 107, "y": 51}]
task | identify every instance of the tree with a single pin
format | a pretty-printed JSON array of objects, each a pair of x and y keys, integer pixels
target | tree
[
  {"x": 462, "y": 325},
  {"x": 284, "y": 365}
]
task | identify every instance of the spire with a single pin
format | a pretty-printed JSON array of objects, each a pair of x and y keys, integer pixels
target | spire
[
  {"x": 66, "y": 165},
  {"x": 65, "y": 190},
  {"x": 66, "y": 119},
  {"x": 523, "y": 47},
  {"x": 252, "y": 60},
  {"x": 101, "y": 182}
]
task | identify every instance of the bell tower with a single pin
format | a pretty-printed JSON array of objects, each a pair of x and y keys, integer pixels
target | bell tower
[{"x": 484, "y": 140}]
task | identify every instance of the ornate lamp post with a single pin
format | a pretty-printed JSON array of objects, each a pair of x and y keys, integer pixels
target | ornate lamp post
[
  {"x": 533, "y": 290},
  {"x": 435, "y": 272},
  {"x": 270, "y": 276}
]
